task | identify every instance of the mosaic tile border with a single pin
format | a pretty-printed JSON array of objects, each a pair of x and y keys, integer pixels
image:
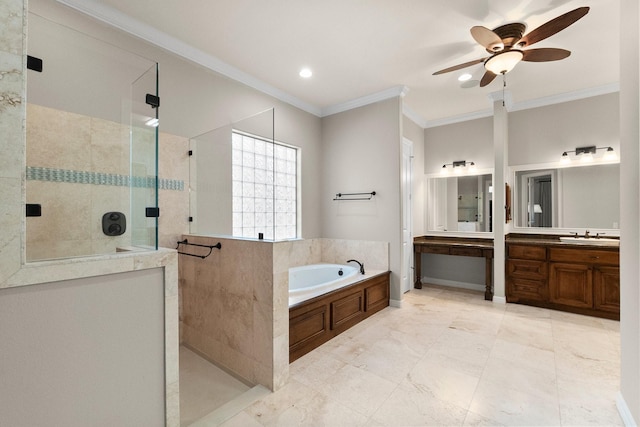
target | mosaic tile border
[{"x": 101, "y": 178}]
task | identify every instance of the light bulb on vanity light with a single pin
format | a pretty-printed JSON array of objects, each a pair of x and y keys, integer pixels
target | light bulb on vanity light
[{"x": 610, "y": 155}]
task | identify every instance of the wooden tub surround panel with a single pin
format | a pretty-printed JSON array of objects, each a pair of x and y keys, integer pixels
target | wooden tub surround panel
[{"x": 316, "y": 321}]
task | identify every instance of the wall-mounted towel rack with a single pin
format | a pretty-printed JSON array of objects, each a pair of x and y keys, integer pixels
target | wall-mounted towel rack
[
  {"x": 354, "y": 196},
  {"x": 210, "y": 247}
]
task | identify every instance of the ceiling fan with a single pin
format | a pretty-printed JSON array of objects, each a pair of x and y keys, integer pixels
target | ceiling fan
[{"x": 506, "y": 44}]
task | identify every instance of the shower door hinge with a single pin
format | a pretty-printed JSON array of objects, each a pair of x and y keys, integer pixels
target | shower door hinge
[
  {"x": 152, "y": 212},
  {"x": 34, "y": 63},
  {"x": 191, "y": 152},
  {"x": 190, "y": 219},
  {"x": 152, "y": 100}
]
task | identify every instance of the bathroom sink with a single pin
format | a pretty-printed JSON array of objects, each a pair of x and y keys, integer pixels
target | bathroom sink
[{"x": 590, "y": 241}]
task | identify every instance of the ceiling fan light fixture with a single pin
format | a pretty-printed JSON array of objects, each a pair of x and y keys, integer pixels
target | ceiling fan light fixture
[{"x": 503, "y": 62}]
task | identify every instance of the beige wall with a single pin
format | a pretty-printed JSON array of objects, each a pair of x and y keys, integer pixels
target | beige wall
[
  {"x": 361, "y": 153},
  {"x": 84, "y": 352},
  {"x": 629, "y": 400},
  {"x": 470, "y": 141},
  {"x": 540, "y": 135}
]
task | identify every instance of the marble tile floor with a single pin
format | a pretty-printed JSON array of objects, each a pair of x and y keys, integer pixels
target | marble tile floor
[
  {"x": 204, "y": 388},
  {"x": 449, "y": 358}
]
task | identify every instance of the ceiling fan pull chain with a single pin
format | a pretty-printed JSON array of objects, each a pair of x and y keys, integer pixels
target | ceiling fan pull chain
[{"x": 504, "y": 85}]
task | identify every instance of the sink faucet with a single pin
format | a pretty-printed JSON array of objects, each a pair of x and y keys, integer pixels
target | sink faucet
[
  {"x": 586, "y": 234},
  {"x": 360, "y": 264}
]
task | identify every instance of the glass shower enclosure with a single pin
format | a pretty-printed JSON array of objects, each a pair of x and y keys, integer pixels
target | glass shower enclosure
[{"x": 92, "y": 136}]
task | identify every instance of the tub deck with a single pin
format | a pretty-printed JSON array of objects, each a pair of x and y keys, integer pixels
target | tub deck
[{"x": 316, "y": 321}]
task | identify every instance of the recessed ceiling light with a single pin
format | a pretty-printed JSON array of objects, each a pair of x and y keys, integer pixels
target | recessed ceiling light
[
  {"x": 305, "y": 73},
  {"x": 464, "y": 77}
]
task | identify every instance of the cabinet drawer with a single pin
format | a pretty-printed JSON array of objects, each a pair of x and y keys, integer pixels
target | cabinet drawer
[
  {"x": 433, "y": 249},
  {"x": 526, "y": 289},
  {"x": 536, "y": 270},
  {"x": 466, "y": 251},
  {"x": 527, "y": 252},
  {"x": 590, "y": 256}
]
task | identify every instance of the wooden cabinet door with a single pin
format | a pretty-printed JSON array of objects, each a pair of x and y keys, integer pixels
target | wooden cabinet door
[
  {"x": 571, "y": 285},
  {"x": 606, "y": 282}
]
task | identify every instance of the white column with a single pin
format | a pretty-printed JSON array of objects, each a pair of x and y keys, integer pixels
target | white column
[{"x": 500, "y": 143}]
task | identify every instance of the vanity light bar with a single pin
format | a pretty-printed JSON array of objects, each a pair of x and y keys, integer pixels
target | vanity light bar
[
  {"x": 458, "y": 165},
  {"x": 589, "y": 151}
]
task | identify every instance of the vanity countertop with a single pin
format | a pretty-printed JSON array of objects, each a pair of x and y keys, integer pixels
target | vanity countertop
[
  {"x": 453, "y": 241},
  {"x": 554, "y": 240}
]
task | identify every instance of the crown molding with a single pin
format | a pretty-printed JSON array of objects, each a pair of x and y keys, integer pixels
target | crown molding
[
  {"x": 413, "y": 116},
  {"x": 457, "y": 119},
  {"x": 524, "y": 105},
  {"x": 123, "y": 22},
  {"x": 566, "y": 97},
  {"x": 392, "y": 92}
]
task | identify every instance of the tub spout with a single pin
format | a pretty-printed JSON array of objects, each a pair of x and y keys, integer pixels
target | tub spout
[{"x": 360, "y": 264}]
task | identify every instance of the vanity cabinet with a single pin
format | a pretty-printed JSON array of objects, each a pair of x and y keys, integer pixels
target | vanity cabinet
[{"x": 583, "y": 279}]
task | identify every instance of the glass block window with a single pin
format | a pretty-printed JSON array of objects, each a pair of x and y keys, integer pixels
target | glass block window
[{"x": 265, "y": 180}]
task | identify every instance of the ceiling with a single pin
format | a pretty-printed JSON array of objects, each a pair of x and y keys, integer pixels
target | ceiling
[{"x": 357, "y": 48}]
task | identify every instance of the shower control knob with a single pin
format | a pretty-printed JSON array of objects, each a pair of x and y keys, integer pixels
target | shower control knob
[{"x": 114, "y": 223}]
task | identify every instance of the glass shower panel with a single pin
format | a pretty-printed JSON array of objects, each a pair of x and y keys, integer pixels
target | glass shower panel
[
  {"x": 144, "y": 160},
  {"x": 79, "y": 151},
  {"x": 232, "y": 179}
]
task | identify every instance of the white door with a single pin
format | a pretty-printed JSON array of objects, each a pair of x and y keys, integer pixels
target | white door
[{"x": 407, "y": 228}]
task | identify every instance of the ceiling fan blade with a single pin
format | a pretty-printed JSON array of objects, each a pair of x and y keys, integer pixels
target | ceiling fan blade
[
  {"x": 545, "y": 54},
  {"x": 487, "y": 38},
  {"x": 487, "y": 78},
  {"x": 460, "y": 66},
  {"x": 554, "y": 26}
]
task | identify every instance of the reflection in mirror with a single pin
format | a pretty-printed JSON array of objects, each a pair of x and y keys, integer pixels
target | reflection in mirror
[
  {"x": 460, "y": 203},
  {"x": 572, "y": 197}
]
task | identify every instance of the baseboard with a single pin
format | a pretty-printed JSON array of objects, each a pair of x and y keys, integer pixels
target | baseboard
[
  {"x": 499, "y": 300},
  {"x": 395, "y": 303},
  {"x": 624, "y": 411},
  {"x": 453, "y": 284}
]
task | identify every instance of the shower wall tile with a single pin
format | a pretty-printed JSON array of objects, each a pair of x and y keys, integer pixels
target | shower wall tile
[
  {"x": 58, "y": 139},
  {"x": 109, "y": 147},
  {"x": 66, "y": 148},
  {"x": 173, "y": 162}
]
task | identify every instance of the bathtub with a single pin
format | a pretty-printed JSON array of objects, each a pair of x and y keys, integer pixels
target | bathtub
[
  {"x": 309, "y": 281},
  {"x": 323, "y": 304}
]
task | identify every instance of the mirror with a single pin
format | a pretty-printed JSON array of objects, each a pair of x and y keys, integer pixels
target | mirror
[
  {"x": 460, "y": 203},
  {"x": 571, "y": 197}
]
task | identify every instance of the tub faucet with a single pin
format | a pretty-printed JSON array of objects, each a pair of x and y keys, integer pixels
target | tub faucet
[{"x": 360, "y": 264}]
